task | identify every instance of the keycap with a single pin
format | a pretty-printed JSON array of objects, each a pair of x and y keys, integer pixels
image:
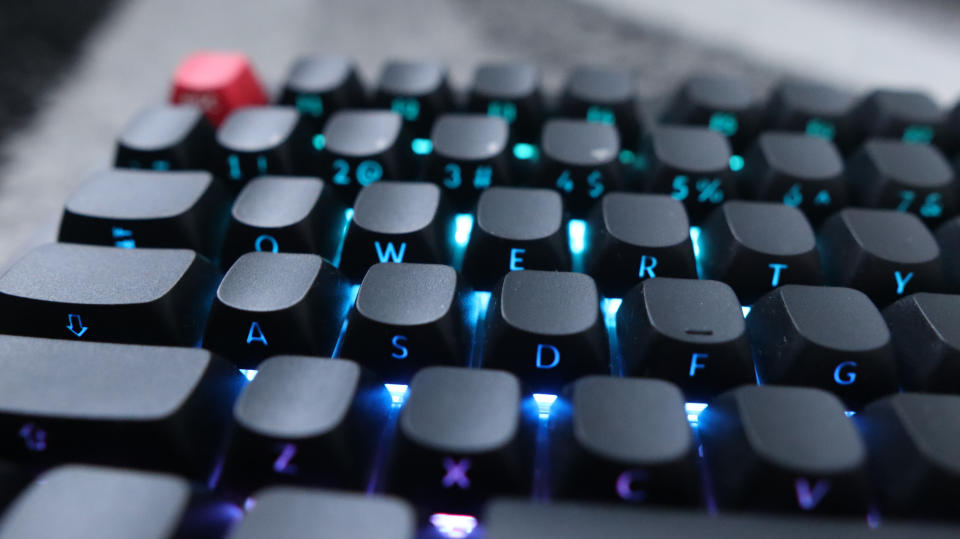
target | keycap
[
  {"x": 255, "y": 141},
  {"x": 469, "y": 155},
  {"x": 166, "y": 137},
  {"x": 285, "y": 214},
  {"x": 93, "y": 502},
  {"x": 305, "y": 419},
  {"x": 948, "y": 237},
  {"x": 691, "y": 164},
  {"x": 686, "y": 331},
  {"x": 12, "y": 480},
  {"x": 545, "y": 327},
  {"x": 460, "y": 438},
  {"x": 951, "y": 142},
  {"x": 908, "y": 115},
  {"x": 798, "y": 170},
  {"x": 635, "y": 237},
  {"x": 516, "y": 228},
  {"x": 358, "y": 147},
  {"x": 299, "y": 513},
  {"x": 217, "y": 82},
  {"x": 926, "y": 334},
  {"x": 133, "y": 208},
  {"x": 785, "y": 448},
  {"x": 276, "y": 303},
  {"x": 406, "y": 316},
  {"x": 909, "y": 177},
  {"x": 156, "y": 407},
  {"x": 145, "y": 296},
  {"x": 603, "y": 95},
  {"x": 724, "y": 104},
  {"x": 395, "y": 222},
  {"x": 885, "y": 253},
  {"x": 416, "y": 90},
  {"x": 758, "y": 246},
  {"x": 319, "y": 85},
  {"x": 624, "y": 440},
  {"x": 510, "y": 91},
  {"x": 827, "y": 337},
  {"x": 816, "y": 110},
  {"x": 912, "y": 440},
  {"x": 580, "y": 159}
]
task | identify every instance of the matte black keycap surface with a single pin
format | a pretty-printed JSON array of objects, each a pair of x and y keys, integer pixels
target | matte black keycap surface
[
  {"x": 319, "y": 85},
  {"x": 460, "y": 438},
  {"x": 469, "y": 155},
  {"x": 926, "y": 335},
  {"x": 146, "y": 296},
  {"x": 512, "y": 92},
  {"x": 636, "y": 237},
  {"x": 885, "y": 253},
  {"x": 166, "y": 137},
  {"x": 146, "y": 406},
  {"x": 546, "y": 327},
  {"x": 623, "y": 439},
  {"x": 299, "y": 513},
  {"x": 603, "y": 95},
  {"x": 758, "y": 246},
  {"x": 12, "y": 480},
  {"x": 784, "y": 448},
  {"x": 254, "y": 141},
  {"x": 406, "y": 316},
  {"x": 276, "y": 303},
  {"x": 417, "y": 91},
  {"x": 395, "y": 222},
  {"x": 948, "y": 237},
  {"x": 128, "y": 208},
  {"x": 909, "y": 177},
  {"x": 826, "y": 337},
  {"x": 580, "y": 161},
  {"x": 816, "y": 110},
  {"x": 358, "y": 148},
  {"x": 910, "y": 116},
  {"x": 688, "y": 331},
  {"x": 516, "y": 228},
  {"x": 721, "y": 103}
]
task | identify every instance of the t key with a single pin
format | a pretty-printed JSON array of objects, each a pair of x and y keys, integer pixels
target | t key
[
  {"x": 166, "y": 137},
  {"x": 254, "y": 141},
  {"x": 580, "y": 161},
  {"x": 357, "y": 148},
  {"x": 469, "y": 155}
]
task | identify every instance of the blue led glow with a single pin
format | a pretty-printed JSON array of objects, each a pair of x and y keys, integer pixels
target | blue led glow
[
  {"x": 849, "y": 413},
  {"x": 463, "y": 225},
  {"x": 249, "y": 374},
  {"x": 350, "y": 300},
  {"x": 319, "y": 141},
  {"x": 610, "y": 306},
  {"x": 746, "y": 310},
  {"x": 421, "y": 146},
  {"x": 694, "y": 409},
  {"x": 453, "y": 526},
  {"x": 577, "y": 234},
  {"x": 736, "y": 163},
  {"x": 524, "y": 151},
  {"x": 398, "y": 393},
  {"x": 544, "y": 403},
  {"x": 249, "y": 503},
  {"x": 347, "y": 217}
]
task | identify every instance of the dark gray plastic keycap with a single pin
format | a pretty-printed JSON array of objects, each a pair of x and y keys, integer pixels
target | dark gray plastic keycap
[
  {"x": 359, "y": 147},
  {"x": 603, "y": 95},
  {"x": 469, "y": 155},
  {"x": 417, "y": 90},
  {"x": 319, "y": 85},
  {"x": 909, "y": 115},
  {"x": 510, "y": 91},
  {"x": 580, "y": 161},
  {"x": 166, "y": 137},
  {"x": 724, "y": 104},
  {"x": 254, "y": 141},
  {"x": 816, "y": 110},
  {"x": 926, "y": 335}
]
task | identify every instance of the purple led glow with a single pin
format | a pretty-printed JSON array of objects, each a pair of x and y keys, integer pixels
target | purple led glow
[
  {"x": 282, "y": 464},
  {"x": 453, "y": 526},
  {"x": 456, "y": 473},
  {"x": 808, "y": 498},
  {"x": 625, "y": 485}
]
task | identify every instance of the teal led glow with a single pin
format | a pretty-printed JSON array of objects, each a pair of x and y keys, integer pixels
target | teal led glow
[
  {"x": 601, "y": 115},
  {"x": 398, "y": 393},
  {"x": 746, "y": 310},
  {"x": 736, "y": 163},
  {"x": 627, "y": 157},
  {"x": 524, "y": 151},
  {"x": 918, "y": 134},
  {"x": 249, "y": 374},
  {"x": 609, "y": 307},
  {"x": 694, "y": 409},
  {"x": 319, "y": 142},
  {"x": 849, "y": 413},
  {"x": 462, "y": 226},
  {"x": 724, "y": 122},
  {"x": 544, "y": 403},
  {"x": 407, "y": 107},
  {"x": 349, "y": 301},
  {"x": 421, "y": 146},
  {"x": 161, "y": 164},
  {"x": 577, "y": 233},
  {"x": 504, "y": 109},
  {"x": 310, "y": 104},
  {"x": 820, "y": 128},
  {"x": 695, "y": 240}
]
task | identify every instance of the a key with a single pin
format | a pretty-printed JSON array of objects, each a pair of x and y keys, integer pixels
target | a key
[
  {"x": 461, "y": 438},
  {"x": 395, "y": 222},
  {"x": 545, "y": 327},
  {"x": 217, "y": 82},
  {"x": 687, "y": 331},
  {"x": 276, "y": 303},
  {"x": 723, "y": 104},
  {"x": 319, "y": 85},
  {"x": 166, "y": 137},
  {"x": 798, "y": 170},
  {"x": 691, "y": 164},
  {"x": 915, "y": 178},
  {"x": 417, "y": 91},
  {"x": 132, "y": 208},
  {"x": 157, "y": 407},
  {"x": 91, "y": 293},
  {"x": 256, "y": 141},
  {"x": 516, "y": 228},
  {"x": 910, "y": 116},
  {"x": 784, "y": 448},
  {"x": 758, "y": 246},
  {"x": 510, "y": 91},
  {"x": 623, "y": 439},
  {"x": 285, "y": 214},
  {"x": 827, "y": 337},
  {"x": 912, "y": 440},
  {"x": 816, "y": 110},
  {"x": 604, "y": 95},
  {"x": 469, "y": 155},
  {"x": 357, "y": 148},
  {"x": 299, "y": 513},
  {"x": 305, "y": 419},
  {"x": 635, "y": 237},
  {"x": 926, "y": 333},
  {"x": 580, "y": 159},
  {"x": 885, "y": 253},
  {"x": 406, "y": 316}
]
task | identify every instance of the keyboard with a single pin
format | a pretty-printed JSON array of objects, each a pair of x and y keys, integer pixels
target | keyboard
[{"x": 404, "y": 308}]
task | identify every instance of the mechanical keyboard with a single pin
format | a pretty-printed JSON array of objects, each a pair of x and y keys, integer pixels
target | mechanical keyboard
[{"x": 404, "y": 308}]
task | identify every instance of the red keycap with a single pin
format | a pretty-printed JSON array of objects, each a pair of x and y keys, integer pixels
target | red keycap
[{"x": 218, "y": 82}]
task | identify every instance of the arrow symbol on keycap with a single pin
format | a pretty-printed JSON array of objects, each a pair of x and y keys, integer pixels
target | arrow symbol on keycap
[
  {"x": 75, "y": 325},
  {"x": 807, "y": 498}
]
